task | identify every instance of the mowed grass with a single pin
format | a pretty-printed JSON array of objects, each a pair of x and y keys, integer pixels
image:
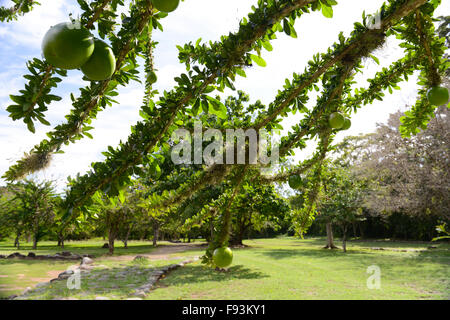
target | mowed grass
[
  {"x": 288, "y": 268},
  {"x": 281, "y": 268},
  {"x": 92, "y": 247}
]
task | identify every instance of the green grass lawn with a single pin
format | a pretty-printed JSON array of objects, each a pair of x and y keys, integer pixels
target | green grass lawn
[
  {"x": 92, "y": 247},
  {"x": 281, "y": 268}
]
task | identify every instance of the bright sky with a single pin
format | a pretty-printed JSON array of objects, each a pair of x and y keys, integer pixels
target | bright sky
[{"x": 206, "y": 19}]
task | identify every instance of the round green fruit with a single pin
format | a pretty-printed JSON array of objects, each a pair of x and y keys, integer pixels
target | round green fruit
[
  {"x": 347, "y": 124},
  {"x": 102, "y": 63},
  {"x": 336, "y": 120},
  {"x": 166, "y": 5},
  {"x": 152, "y": 78},
  {"x": 438, "y": 96},
  {"x": 67, "y": 45},
  {"x": 295, "y": 181},
  {"x": 222, "y": 257}
]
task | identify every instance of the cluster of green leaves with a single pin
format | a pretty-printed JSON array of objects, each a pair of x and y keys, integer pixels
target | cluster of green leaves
[
  {"x": 34, "y": 99},
  {"x": 442, "y": 228},
  {"x": 20, "y": 8}
]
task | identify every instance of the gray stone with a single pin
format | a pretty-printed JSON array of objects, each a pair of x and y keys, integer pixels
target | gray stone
[
  {"x": 85, "y": 267},
  {"x": 87, "y": 260},
  {"x": 65, "y": 275},
  {"x": 26, "y": 291},
  {"x": 102, "y": 298},
  {"x": 31, "y": 254},
  {"x": 140, "y": 294},
  {"x": 134, "y": 299},
  {"x": 15, "y": 255},
  {"x": 146, "y": 288},
  {"x": 41, "y": 284}
]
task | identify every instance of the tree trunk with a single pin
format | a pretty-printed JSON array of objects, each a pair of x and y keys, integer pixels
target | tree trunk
[
  {"x": 111, "y": 245},
  {"x": 35, "y": 241},
  {"x": 61, "y": 240},
  {"x": 155, "y": 232},
  {"x": 330, "y": 240},
  {"x": 35, "y": 237},
  {"x": 344, "y": 238},
  {"x": 125, "y": 241},
  {"x": 361, "y": 232},
  {"x": 111, "y": 238},
  {"x": 240, "y": 236},
  {"x": 16, "y": 241},
  {"x": 211, "y": 229}
]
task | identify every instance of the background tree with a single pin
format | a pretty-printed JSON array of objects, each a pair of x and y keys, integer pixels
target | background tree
[
  {"x": 412, "y": 175},
  {"x": 256, "y": 207},
  {"x": 341, "y": 201},
  {"x": 32, "y": 208}
]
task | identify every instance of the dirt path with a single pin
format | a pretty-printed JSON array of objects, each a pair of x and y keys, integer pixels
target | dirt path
[{"x": 162, "y": 252}]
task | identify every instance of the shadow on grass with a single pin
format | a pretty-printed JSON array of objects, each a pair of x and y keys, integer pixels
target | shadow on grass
[
  {"x": 190, "y": 274},
  {"x": 315, "y": 253}
]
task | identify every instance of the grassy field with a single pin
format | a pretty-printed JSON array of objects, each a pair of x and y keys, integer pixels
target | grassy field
[{"x": 281, "y": 268}]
